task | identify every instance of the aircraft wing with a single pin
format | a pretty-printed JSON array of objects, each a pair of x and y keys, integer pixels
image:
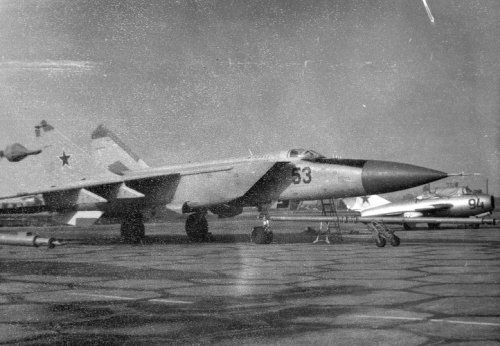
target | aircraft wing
[
  {"x": 206, "y": 185},
  {"x": 397, "y": 220},
  {"x": 398, "y": 209},
  {"x": 200, "y": 186},
  {"x": 68, "y": 177},
  {"x": 44, "y": 189},
  {"x": 434, "y": 207}
]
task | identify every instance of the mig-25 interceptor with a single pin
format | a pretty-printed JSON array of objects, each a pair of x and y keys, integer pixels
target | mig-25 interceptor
[
  {"x": 72, "y": 183},
  {"x": 441, "y": 202}
]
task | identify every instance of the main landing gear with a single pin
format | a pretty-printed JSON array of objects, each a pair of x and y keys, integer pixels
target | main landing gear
[
  {"x": 381, "y": 234},
  {"x": 197, "y": 228},
  {"x": 132, "y": 228}
]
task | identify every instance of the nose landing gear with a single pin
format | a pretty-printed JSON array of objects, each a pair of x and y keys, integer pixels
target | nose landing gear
[
  {"x": 381, "y": 233},
  {"x": 262, "y": 234}
]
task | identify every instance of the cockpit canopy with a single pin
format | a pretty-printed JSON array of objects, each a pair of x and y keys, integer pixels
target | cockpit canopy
[
  {"x": 441, "y": 192},
  {"x": 305, "y": 154}
]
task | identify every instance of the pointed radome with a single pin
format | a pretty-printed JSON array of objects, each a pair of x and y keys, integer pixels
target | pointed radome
[{"x": 385, "y": 176}]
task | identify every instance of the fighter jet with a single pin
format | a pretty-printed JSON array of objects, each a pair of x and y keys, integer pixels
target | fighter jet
[
  {"x": 71, "y": 182},
  {"x": 440, "y": 202},
  {"x": 455, "y": 205}
]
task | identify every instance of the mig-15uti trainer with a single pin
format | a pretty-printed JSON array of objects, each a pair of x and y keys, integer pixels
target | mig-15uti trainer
[
  {"x": 451, "y": 205},
  {"x": 73, "y": 184},
  {"x": 438, "y": 203}
]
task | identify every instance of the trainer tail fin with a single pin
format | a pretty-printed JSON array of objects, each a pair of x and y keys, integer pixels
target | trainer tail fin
[{"x": 364, "y": 202}]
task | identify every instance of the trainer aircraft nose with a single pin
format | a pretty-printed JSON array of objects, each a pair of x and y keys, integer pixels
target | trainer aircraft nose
[{"x": 385, "y": 176}]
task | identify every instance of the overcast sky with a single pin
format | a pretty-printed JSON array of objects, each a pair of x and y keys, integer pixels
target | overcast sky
[{"x": 199, "y": 80}]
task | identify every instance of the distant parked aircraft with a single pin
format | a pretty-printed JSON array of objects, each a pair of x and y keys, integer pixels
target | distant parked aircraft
[{"x": 439, "y": 202}]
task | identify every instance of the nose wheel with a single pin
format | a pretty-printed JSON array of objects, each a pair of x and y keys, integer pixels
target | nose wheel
[
  {"x": 395, "y": 241},
  {"x": 381, "y": 234},
  {"x": 262, "y": 234},
  {"x": 380, "y": 242}
]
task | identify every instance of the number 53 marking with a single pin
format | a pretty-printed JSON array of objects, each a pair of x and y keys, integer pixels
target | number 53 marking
[{"x": 297, "y": 178}]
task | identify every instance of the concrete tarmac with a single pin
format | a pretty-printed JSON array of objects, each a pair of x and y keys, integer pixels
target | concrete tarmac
[{"x": 437, "y": 288}]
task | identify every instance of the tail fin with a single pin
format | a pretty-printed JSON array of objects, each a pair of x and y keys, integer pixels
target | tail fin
[
  {"x": 110, "y": 152},
  {"x": 56, "y": 161},
  {"x": 364, "y": 202}
]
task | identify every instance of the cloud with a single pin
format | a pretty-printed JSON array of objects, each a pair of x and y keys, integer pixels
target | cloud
[{"x": 51, "y": 66}]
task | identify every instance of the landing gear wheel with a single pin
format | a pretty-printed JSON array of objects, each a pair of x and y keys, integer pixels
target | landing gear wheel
[
  {"x": 395, "y": 241},
  {"x": 132, "y": 229},
  {"x": 197, "y": 228},
  {"x": 380, "y": 242},
  {"x": 261, "y": 236}
]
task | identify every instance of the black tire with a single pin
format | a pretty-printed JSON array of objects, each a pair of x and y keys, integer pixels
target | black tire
[
  {"x": 196, "y": 227},
  {"x": 433, "y": 225},
  {"x": 260, "y": 236},
  {"x": 395, "y": 241},
  {"x": 141, "y": 230},
  {"x": 125, "y": 230},
  {"x": 380, "y": 242},
  {"x": 269, "y": 237},
  {"x": 132, "y": 230}
]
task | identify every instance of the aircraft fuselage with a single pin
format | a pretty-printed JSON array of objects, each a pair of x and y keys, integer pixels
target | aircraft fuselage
[{"x": 459, "y": 206}]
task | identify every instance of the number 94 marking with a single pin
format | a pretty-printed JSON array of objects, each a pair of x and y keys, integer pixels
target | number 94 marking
[
  {"x": 473, "y": 204},
  {"x": 297, "y": 177}
]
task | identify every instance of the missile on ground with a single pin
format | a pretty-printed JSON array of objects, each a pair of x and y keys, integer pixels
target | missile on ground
[{"x": 28, "y": 239}]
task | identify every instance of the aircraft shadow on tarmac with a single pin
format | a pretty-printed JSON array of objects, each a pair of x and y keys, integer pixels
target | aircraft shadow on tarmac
[{"x": 183, "y": 239}]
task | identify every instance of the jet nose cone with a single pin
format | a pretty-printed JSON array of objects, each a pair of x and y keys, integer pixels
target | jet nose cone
[{"x": 384, "y": 176}]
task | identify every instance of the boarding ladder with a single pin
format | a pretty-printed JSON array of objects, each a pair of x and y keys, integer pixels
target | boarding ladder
[{"x": 329, "y": 208}]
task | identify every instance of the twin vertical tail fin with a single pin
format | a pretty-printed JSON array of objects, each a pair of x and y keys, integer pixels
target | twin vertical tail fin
[
  {"x": 63, "y": 173},
  {"x": 61, "y": 161},
  {"x": 54, "y": 161},
  {"x": 110, "y": 152},
  {"x": 57, "y": 164}
]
